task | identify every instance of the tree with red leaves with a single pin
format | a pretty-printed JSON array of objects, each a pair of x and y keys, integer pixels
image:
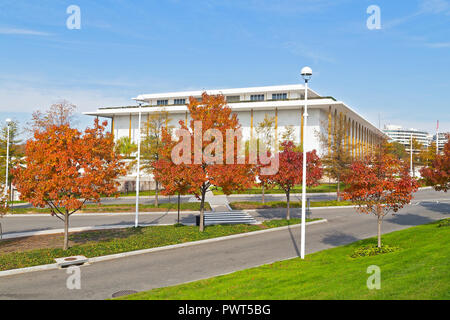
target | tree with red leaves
[
  {"x": 201, "y": 150},
  {"x": 176, "y": 179},
  {"x": 290, "y": 170},
  {"x": 64, "y": 167},
  {"x": 379, "y": 184},
  {"x": 438, "y": 173}
]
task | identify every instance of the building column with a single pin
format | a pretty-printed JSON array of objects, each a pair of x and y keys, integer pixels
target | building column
[
  {"x": 353, "y": 139},
  {"x": 348, "y": 128},
  {"x": 301, "y": 128},
  {"x": 129, "y": 129},
  {"x": 329, "y": 130},
  {"x": 276, "y": 129},
  {"x": 251, "y": 124},
  {"x": 112, "y": 126}
]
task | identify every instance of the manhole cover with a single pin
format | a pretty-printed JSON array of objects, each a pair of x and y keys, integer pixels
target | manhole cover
[
  {"x": 123, "y": 293},
  {"x": 70, "y": 259}
]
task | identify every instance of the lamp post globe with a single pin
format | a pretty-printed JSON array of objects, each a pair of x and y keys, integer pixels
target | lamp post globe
[
  {"x": 306, "y": 73},
  {"x": 8, "y": 121}
]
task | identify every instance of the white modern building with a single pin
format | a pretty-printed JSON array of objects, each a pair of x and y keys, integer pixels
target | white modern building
[
  {"x": 403, "y": 135},
  {"x": 283, "y": 103},
  {"x": 441, "y": 141}
]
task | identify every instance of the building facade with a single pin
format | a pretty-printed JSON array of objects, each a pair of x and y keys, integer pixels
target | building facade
[
  {"x": 403, "y": 136},
  {"x": 442, "y": 140},
  {"x": 284, "y": 104}
]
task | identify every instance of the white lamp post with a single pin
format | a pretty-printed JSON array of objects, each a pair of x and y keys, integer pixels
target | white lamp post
[
  {"x": 136, "y": 219},
  {"x": 411, "y": 151},
  {"x": 8, "y": 124},
  {"x": 306, "y": 74}
]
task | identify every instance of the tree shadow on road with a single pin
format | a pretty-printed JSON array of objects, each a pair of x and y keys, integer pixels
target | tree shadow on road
[
  {"x": 408, "y": 219},
  {"x": 339, "y": 238},
  {"x": 441, "y": 207}
]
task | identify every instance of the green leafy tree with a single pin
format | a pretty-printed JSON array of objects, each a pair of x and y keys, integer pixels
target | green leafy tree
[
  {"x": 337, "y": 159},
  {"x": 265, "y": 136},
  {"x": 151, "y": 143},
  {"x": 125, "y": 147}
]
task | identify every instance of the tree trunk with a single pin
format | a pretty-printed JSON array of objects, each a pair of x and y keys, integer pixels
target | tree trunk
[
  {"x": 288, "y": 213},
  {"x": 338, "y": 188},
  {"x": 156, "y": 193},
  {"x": 178, "y": 207},
  {"x": 262, "y": 194},
  {"x": 202, "y": 211},
  {"x": 380, "y": 220},
  {"x": 66, "y": 231}
]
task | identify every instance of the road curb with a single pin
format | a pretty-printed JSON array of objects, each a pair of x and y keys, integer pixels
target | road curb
[
  {"x": 100, "y": 214},
  {"x": 194, "y": 243},
  {"x": 150, "y": 250},
  {"x": 13, "y": 235}
]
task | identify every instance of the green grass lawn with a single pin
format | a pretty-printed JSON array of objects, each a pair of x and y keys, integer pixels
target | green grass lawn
[
  {"x": 242, "y": 205},
  {"x": 326, "y": 187},
  {"x": 419, "y": 270},
  {"x": 105, "y": 242},
  {"x": 92, "y": 208}
]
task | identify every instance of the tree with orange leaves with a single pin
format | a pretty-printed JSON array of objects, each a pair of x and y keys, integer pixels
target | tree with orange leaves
[
  {"x": 290, "y": 170},
  {"x": 208, "y": 148},
  {"x": 379, "y": 184},
  {"x": 64, "y": 167},
  {"x": 176, "y": 179},
  {"x": 438, "y": 173}
]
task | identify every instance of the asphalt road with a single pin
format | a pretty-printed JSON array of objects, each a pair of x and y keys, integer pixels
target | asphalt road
[
  {"x": 19, "y": 223},
  {"x": 158, "y": 269}
]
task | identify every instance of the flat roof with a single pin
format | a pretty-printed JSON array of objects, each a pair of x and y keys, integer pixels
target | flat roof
[{"x": 198, "y": 93}]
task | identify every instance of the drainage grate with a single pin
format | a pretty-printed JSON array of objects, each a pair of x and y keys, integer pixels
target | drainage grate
[{"x": 123, "y": 293}]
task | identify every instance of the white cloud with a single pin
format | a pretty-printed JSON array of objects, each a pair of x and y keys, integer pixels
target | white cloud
[
  {"x": 28, "y": 32},
  {"x": 438, "y": 45},
  {"x": 307, "y": 52},
  {"x": 18, "y": 98}
]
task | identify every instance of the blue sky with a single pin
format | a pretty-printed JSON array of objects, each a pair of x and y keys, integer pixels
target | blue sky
[{"x": 125, "y": 48}]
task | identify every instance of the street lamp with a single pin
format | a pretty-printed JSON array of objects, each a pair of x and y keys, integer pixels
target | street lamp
[
  {"x": 411, "y": 152},
  {"x": 136, "y": 220},
  {"x": 8, "y": 124},
  {"x": 306, "y": 74}
]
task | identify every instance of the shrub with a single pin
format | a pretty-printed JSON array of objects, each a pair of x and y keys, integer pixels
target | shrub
[
  {"x": 444, "y": 223},
  {"x": 372, "y": 250}
]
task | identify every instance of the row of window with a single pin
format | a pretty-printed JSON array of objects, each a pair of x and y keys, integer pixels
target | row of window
[
  {"x": 231, "y": 99},
  {"x": 165, "y": 102}
]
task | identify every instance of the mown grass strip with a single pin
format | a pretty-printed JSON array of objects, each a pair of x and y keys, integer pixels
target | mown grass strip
[
  {"x": 419, "y": 270},
  {"x": 242, "y": 205},
  {"x": 105, "y": 242},
  {"x": 92, "y": 208}
]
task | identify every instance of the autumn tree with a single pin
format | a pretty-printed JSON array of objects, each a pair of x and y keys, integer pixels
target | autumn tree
[
  {"x": 202, "y": 147},
  {"x": 290, "y": 171},
  {"x": 150, "y": 145},
  {"x": 438, "y": 173},
  {"x": 65, "y": 168},
  {"x": 176, "y": 179},
  {"x": 61, "y": 113},
  {"x": 395, "y": 149},
  {"x": 337, "y": 158},
  {"x": 428, "y": 154},
  {"x": 378, "y": 184}
]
